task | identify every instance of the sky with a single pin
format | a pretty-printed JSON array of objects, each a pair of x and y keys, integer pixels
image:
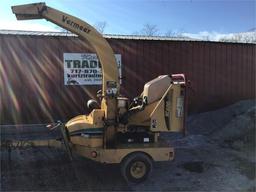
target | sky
[{"x": 192, "y": 17}]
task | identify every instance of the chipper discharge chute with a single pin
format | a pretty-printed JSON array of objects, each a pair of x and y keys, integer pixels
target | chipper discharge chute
[{"x": 117, "y": 131}]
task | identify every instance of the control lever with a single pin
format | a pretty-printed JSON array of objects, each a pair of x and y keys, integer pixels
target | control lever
[{"x": 64, "y": 135}]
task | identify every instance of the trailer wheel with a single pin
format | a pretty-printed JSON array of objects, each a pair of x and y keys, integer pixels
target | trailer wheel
[{"x": 136, "y": 167}]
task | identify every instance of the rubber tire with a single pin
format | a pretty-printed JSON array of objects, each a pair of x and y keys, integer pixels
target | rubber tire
[{"x": 129, "y": 160}]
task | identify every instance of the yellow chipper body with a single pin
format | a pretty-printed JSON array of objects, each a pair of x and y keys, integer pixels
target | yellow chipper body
[{"x": 117, "y": 131}]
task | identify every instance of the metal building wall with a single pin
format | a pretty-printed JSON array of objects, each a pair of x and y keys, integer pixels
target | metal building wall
[{"x": 32, "y": 83}]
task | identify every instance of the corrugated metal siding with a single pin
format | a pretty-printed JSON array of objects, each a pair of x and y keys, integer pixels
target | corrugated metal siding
[{"x": 32, "y": 85}]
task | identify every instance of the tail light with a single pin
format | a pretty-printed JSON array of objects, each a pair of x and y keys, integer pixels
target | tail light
[{"x": 178, "y": 79}]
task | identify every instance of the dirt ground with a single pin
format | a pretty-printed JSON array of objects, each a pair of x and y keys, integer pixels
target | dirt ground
[{"x": 218, "y": 154}]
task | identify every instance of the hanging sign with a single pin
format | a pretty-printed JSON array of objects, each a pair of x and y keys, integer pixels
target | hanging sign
[{"x": 84, "y": 69}]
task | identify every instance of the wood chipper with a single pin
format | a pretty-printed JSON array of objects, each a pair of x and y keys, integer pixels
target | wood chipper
[{"x": 116, "y": 130}]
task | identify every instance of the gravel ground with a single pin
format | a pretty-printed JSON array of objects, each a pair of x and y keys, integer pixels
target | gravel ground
[{"x": 218, "y": 154}]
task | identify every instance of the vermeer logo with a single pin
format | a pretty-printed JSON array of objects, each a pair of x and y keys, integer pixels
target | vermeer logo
[{"x": 65, "y": 19}]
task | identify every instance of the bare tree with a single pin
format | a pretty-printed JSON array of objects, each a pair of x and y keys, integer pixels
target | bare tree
[
  {"x": 150, "y": 30},
  {"x": 172, "y": 33},
  {"x": 246, "y": 37},
  {"x": 100, "y": 26}
]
